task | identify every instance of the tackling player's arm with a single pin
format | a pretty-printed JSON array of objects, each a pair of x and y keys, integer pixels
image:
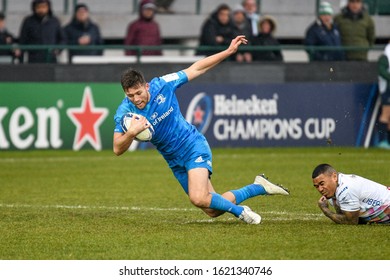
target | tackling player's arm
[
  {"x": 122, "y": 141},
  {"x": 202, "y": 66},
  {"x": 341, "y": 217}
]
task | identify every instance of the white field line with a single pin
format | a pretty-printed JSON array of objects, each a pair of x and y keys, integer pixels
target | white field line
[
  {"x": 65, "y": 159},
  {"x": 56, "y": 206},
  {"x": 273, "y": 218},
  {"x": 139, "y": 156},
  {"x": 276, "y": 215}
]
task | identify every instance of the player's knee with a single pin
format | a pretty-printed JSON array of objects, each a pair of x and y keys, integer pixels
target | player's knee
[
  {"x": 213, "y": 213},
  {"x": 199, "y": 201}
]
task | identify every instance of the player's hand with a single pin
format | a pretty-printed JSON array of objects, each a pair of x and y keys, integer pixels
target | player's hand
[
  {"x": 138, "y": 124},
  {"x": 323, "y": 202},
  {"x": 236, "y": 42}
]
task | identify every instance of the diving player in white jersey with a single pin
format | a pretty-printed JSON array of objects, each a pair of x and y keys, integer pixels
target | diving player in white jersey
[
  {"x": 356, "y": 200},
  {"x": 184, "y": 148}
]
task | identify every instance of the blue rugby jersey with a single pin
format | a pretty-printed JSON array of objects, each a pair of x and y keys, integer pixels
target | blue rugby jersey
[{"x": 173, "y": 134}]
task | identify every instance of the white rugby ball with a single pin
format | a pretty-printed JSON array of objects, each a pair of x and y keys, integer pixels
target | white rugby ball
[{"x": 145, "y": 135}]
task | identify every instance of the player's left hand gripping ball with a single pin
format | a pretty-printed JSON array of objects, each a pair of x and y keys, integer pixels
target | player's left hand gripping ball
[{"x": 145, "y": 135}]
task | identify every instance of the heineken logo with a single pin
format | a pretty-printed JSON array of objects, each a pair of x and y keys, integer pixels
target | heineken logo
[
  {"x": 87, "y": 118},
  {"x": 54, "y": 123}
]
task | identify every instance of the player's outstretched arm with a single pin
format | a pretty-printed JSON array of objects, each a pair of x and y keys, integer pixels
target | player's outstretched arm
[
  {"x": 350, "y": 218},
  {"x": 203, "y": 65}
]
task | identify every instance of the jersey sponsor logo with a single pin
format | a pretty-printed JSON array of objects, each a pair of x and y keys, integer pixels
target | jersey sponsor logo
[
  {"x": 372, "y": 202},
  {"x": 160, "y": 99},
  {"x": 154, "y": 115},
  {"x": 158, "y": 119}
]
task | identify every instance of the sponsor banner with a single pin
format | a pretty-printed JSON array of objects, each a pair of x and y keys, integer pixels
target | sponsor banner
[
  {"x": 57, "y": 115},
  {"x": 80, "y": 116},
  {"x": 302, "y": 114}
]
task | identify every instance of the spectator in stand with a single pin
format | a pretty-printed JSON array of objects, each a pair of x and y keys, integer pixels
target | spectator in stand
[
  {"x": 42, "y": 28},
  {"x": 241, "y": 26},
  {"x": 267, "y": 27},
  {"x": 6, "y": 38},
  {"x": 144, "y": 31},
  {"x": 357, "y": 29},
  {"x": 384, "y": 89},
  {"x": 217, "y": 31},
  {"x": 323, "y": 32},
  {"x": 251, "y": 9},
  {"x": 81, "y": 31},
  {"x": 164, "y": 6}
]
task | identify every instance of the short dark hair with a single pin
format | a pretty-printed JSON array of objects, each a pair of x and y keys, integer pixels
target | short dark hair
[
  {"x": 323, "y": 168},
  {"x": 223, "y": 7},
  {"x": 131, "y": 78},
  {"x": 80, "y": 6},
  {"x": 2, "y": 16}
]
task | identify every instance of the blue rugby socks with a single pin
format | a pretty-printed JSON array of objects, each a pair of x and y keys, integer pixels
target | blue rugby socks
[
  {"x": 218, "y": 202},
  {"x": 247, "y": 192}
]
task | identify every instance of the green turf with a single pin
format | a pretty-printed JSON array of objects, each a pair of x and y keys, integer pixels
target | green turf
[{"x": 94, "y": 205}]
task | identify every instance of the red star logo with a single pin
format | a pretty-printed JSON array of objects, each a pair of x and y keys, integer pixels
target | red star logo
[
  {"x": 198, "y": 115},
  {"x": 87, "y": 120}
]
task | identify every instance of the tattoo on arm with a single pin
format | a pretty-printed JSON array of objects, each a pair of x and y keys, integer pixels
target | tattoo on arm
[
  {"x": 337, "y": 207},
  {"x": 350, "y": 218},
  {"x": 338, "y": 218}
]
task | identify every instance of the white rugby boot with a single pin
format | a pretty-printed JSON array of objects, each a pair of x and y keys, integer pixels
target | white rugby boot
[
  {"x": 249, "y": 217},
  {"x": 269, "y": 187}
]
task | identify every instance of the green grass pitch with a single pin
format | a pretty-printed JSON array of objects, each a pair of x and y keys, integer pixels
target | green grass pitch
[{"x": 88, "y": 205}]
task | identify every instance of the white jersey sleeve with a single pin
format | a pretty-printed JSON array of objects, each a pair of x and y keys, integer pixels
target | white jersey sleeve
[{"x": 355, "y": 193}]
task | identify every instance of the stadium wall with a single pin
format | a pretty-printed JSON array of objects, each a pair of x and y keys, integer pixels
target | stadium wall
[{"x": 234, "y": 105}]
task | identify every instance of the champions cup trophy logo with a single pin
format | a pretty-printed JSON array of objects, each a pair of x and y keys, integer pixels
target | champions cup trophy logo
[{"x": 199, "y": 112}]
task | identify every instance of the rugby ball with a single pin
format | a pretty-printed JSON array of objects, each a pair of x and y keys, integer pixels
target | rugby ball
[{"x": 145, "y": 135}]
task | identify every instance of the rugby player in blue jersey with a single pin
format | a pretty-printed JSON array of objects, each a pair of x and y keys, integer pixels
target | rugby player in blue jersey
[{"x": 184, "y": 148}]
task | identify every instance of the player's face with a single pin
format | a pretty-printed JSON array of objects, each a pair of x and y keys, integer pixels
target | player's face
[
  {"x": 326, "y": 184},
  {"x": 139, "y": 95}
]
